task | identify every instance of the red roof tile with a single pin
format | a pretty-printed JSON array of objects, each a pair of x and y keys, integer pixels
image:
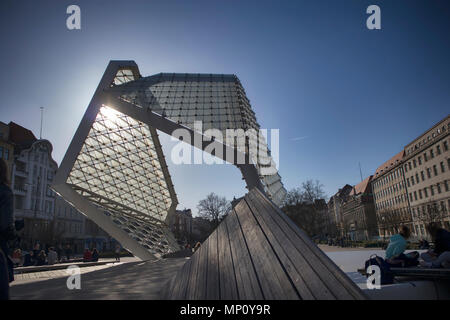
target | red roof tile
[
  {"x": 389, "y": 164},
  {"x": 362, "y": 187},
  {"x": 20, "y": 135}
]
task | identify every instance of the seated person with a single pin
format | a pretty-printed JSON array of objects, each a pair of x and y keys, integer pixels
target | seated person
[
  {"x": 395, "y": 251},
  {"x": 440, "y": 255},
  {"x": 17, "y": 257},
  {"x": 41, "y": 259},
  {"x": 87, "y": 255},
  {"x": 94, "y": 255}
]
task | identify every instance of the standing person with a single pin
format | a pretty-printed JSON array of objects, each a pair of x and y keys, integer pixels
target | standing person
[
  {"x": 7, "y": 231},
  {"x": 117, "y": 253},
  {"x": 52, "y": 257},
  {"x": 440, "y": 255},
  {"x": 59, "y": 251},
  {"x": 68, "y": 252}
]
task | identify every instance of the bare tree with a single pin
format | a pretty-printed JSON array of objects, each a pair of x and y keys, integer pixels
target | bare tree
[
  {"x": 312, "y": 190},
  {"x": 213, "y": 208},
  {"x": 434, "y": 213},
  {"x": 308, "y": 192},
  {"x": 306, "y": 207}
]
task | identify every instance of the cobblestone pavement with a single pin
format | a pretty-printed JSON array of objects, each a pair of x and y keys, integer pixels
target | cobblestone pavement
[{"x": 128, "y": 280}]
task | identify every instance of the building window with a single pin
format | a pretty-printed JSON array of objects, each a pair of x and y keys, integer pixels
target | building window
[
  {"x": 425, "y": 192},
  {"x": 425, "y": 157},
  {"x": 407, "y": 181},
  {"x": 417, "y": 177},
  {"x": 445, "y": 146},
  {"x": 415, "y": 195},
  {"x": 422, "y": 175},
  {"x": 442, "y": 167},
  {"x": 438, "y": 149},
  {"x": 420, "y": 160},
  {"x": 438, "y": 188},
  {"x": 446, "y": 185},
  {"x": 435, "y": 170},
  {"x": 432, "y": 190},
  {"x": 431, "y": 153},
  {"x": 412, "y": 180},
  {"x": 409, "y": 164},
  {"x": 406, "y": 168},
  {"x": 420, "y": 194},
  {"x": 414, "y": 163}
]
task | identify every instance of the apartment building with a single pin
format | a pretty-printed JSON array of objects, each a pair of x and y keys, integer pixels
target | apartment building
[
  {"x": 335, "y": 207},
  {"x": 358, "y": 213},
  {"x": 427, "y": 170},
  {"x": 391, "y": 196}
]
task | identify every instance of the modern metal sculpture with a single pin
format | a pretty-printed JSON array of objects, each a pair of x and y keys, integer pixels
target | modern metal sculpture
[{"x": 114, "y": 170}]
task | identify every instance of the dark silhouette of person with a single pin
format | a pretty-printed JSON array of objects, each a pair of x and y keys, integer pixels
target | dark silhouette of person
[
  {"x": 94, "y": 255},
  {"x": 7, "y": 231}
]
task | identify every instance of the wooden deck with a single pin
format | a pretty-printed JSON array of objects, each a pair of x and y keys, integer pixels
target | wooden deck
[{"x": 257, "y": 252}]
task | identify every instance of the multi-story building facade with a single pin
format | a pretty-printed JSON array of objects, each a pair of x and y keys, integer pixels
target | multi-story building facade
[
  {"x": 69, "y": 225},
  {"x": 427, "y": 170},
  {"x": 6, "y": 148},
  {"x": 181, "y": 225},
  {"x": 335, "y": 208},
  {"x": 32, "y": 173},
  {"x": 391, "y": 196},
  {"x": 358, "y": 213},
  {"x": 48, "y": 218}
]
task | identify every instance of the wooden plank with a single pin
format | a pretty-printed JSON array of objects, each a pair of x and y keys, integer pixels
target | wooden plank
[
  {"x": 247, "y": 280},
  {"x": 183, "y": 278},
  {"x": 275, "y": 283},
  {"x": 259, "y": 253},
  {"x": 228, "y": 290},
  {"x": 308, "y": 283},
  {"x": 342, "y": 286},
  {"x": 200, "y": 294},
  {"x": 193, "y": 284},
  {"x": 213, "y": 285}
]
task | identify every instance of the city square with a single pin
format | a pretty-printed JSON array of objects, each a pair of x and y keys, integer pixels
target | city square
[{"x": 230, "y": 171}]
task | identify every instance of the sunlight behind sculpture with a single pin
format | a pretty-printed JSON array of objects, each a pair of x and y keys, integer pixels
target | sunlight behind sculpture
[{"x": 114, "y": 170}]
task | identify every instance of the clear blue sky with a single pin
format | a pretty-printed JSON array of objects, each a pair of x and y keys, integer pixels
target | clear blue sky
[{"x": 339, "y": 93}]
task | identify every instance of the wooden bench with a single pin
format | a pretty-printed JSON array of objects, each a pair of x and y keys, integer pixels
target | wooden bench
[
  {"x": 417, "y": 273},
  {"x": 257, "y": 252}
]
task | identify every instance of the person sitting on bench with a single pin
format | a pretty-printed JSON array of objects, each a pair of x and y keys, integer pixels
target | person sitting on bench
[
  {"x": 395, "y": 251},
  {"x": 440, "y": 256}
]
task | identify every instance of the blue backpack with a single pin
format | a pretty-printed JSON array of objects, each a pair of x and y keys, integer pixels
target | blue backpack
[{"x": 386, "y": 274}]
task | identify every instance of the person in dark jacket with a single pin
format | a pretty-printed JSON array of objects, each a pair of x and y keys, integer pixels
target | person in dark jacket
[
  {"x": 7, "y": 231},
  {"x": 94, "y": 255},
  {"x": 440, "y": 255}
]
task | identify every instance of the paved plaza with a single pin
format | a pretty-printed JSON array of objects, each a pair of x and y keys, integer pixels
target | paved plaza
[
  {"x": 134, "y": 279},
  {"x": 131, "y": 279}
]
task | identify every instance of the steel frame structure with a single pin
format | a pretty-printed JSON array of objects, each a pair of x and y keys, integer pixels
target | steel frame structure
[{"x": 93, "y": 177}]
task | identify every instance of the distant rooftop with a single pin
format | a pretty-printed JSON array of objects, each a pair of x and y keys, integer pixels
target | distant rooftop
[{"x": 389, "y": 164}]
